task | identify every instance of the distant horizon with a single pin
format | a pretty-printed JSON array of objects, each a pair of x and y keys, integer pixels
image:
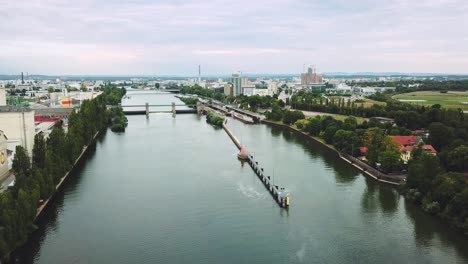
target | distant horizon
[
  {"x": 173, "y": 37},
  {"x": 368, "y": 73}
]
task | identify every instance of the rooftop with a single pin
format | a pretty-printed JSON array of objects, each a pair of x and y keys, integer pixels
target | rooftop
[{"x": 14, "y": 109}]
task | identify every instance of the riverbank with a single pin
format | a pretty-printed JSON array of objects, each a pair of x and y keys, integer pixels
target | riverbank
[
  {"x": 41, "y": 208},
  {"x": 365, "y": 168}
]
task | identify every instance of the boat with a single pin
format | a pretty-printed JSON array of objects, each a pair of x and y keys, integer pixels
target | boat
[{"x": 244, "y": 119}]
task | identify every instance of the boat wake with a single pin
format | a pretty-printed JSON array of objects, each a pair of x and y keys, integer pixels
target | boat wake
[{"x": 249, "y": 191}]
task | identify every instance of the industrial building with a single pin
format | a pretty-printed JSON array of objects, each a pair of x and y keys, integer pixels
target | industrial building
[
  {"x": 311, "y": 77},
  {"x": 18, "y": 125}
]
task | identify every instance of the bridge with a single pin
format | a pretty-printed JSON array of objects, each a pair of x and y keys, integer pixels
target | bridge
[{"x": 146, "y": 109}]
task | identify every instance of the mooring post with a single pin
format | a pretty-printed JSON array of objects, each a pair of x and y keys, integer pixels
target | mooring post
[
  {"x": 147, "y": 109},
  {"x": 173, "y": 110}
]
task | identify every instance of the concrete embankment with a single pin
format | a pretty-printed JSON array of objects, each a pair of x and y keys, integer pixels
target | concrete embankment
[
  {"x": 366, "y": 169},
  {"x": 41, "y": 208}
]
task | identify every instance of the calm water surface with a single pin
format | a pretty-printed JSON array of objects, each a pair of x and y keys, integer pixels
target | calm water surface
[{"x": 171, "y": 190}]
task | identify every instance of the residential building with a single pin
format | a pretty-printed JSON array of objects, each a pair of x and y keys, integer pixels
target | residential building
[{"x": 406, "y": 144}]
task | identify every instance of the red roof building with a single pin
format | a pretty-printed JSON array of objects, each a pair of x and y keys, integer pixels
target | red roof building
[
  {"x": 406, "y": 140},
  {"x": 406, "y": 145}
]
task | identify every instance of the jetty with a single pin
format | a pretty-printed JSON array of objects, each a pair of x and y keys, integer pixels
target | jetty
[{"x": 280, "y": 194}]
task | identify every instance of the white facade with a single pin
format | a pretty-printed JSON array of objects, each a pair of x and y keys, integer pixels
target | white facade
[
  {"x": 2, "y": 97},
  {"x": 4, "y": 167},
  {"x": 248, "y": 91},
  {"x": 18, "y": 126}
]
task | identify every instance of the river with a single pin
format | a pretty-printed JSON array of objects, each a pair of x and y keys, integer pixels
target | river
[{"x": 171, "y": 190}]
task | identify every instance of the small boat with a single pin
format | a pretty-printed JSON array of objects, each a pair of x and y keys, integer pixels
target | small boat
[{"x": 244, "y": 119}]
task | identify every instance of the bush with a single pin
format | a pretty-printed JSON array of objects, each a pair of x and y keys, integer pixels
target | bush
[
  {"x": 431, "y": 207},
  {"x": 301, "y": 124},
  {"x": 214, "y": 119}
]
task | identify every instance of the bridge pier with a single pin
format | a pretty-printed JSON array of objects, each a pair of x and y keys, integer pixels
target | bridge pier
[
  {"x": 147, "y": 109},
  {"x": 173, "y": 110}
]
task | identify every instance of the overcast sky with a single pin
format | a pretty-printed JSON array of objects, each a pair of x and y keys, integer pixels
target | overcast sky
[{"x": 275, "y": 36}]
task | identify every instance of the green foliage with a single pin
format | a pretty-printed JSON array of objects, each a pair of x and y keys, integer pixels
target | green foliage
[
  {"x": 422, "y": 171},
  {"x": 51, "y": 160},
  {"x": 118, "y": 119},
  {"x": 290, "y": 117},
  {"x": 301, "y": 124},
  {"x": 313, "y": 126},
  {"x": 390, "y": 161},
  {"x": 458, "y": 158},
  {"x": 329, "y": 133},
  {"x": 39, "y": 151},
  {"x": 276, "y": 113},
  {"x": 189, "y": 100},
  {"x": 345, "y": 140},
  {"x": 440, "y": 135},
  {"x": 214, "y": 119}
]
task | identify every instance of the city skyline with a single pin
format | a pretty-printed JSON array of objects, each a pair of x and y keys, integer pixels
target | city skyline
[{"x": 167, "y": 38}]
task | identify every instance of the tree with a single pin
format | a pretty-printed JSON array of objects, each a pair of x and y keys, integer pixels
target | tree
[
  {"x": 329, "y": 133},
  {"x": 156, "y": 85},
  {"x": 373, "y": 140},
  {"x": 350, "y": 123},
  {"x": 422, "y": 171},
  {"x": 458, "y": 159},
  {"x": 83, "y": 87},
  {"x": 345, "y": 140},
  {"x": 39, "y": 151},
  {"x": 390, "y": 161},
  {"x": 439, "y": 135},
  {"x": 313, "y": 126},
  {"x": 21, "y": 167}
]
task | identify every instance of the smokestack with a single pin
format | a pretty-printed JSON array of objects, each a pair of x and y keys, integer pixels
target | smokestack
[
  {"x": 22, "y": 78},
  {"x": 199, "y": 73}
]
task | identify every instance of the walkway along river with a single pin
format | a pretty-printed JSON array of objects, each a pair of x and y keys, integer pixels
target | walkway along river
[{"x": 171, "y": 190}]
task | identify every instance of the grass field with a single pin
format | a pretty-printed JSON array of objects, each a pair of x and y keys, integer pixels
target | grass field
[
  {"x": 336, "y": 116},
  {"x": 451, "y": 99}
]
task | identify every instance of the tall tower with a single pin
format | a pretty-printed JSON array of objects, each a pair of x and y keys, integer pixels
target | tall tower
[
  {"x": 199, "y": 73},
  {"x": 22, "y": 78}
]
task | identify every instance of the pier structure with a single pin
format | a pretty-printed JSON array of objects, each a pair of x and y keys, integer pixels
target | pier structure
[{"x": 280, "y": 194}]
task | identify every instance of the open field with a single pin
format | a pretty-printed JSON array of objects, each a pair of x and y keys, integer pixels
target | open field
[
  {"x": 366, "y": 101},
  {"x": 369, "y": 102},
  {"x": 451, "y": 99},
  {"x": 336, "y": 116}
]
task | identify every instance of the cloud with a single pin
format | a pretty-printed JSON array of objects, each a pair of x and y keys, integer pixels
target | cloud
[{"x": 173, "y": 37}]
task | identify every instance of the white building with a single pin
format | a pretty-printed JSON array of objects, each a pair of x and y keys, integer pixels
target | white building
[
  {"x": 2, "y": 97},
  {"x": 4, "y": 164},
  {"x": 18, "y": 124}
]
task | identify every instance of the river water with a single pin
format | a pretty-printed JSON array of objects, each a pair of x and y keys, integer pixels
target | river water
[{"x": 171, "y": 190}]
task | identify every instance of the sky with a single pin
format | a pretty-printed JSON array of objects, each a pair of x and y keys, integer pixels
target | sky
[{"x": 173, "y": 37}]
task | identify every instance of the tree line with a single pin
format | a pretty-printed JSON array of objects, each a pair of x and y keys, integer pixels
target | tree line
[{"x": 37, "y": 178}]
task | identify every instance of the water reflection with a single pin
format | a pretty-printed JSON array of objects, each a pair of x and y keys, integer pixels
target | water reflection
[
  {"x": 388, "y": 198},
  {"x": 47, "y": 223},
  {"x": 343, "y": 173},
  {"x": 275, "y": 132},
  {"x": 377, "y": 196}
]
